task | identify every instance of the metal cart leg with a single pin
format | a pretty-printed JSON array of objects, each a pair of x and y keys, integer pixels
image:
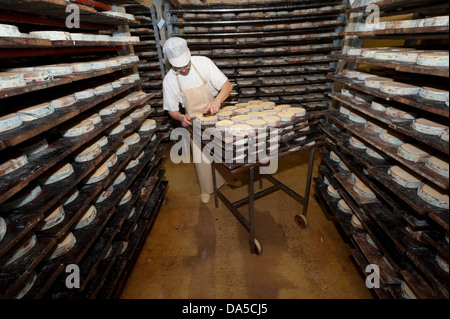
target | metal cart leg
[
  {"x": 213, "y": 171},
  {"x": 301, "y": 218}
]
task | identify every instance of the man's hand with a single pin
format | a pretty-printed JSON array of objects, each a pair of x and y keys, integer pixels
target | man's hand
[
  {"x": 186, "y": 120},
  {"x": 213, "y": 107}
]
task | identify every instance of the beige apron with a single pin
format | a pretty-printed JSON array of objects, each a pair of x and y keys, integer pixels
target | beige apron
[{"x": 195, "y": 102}]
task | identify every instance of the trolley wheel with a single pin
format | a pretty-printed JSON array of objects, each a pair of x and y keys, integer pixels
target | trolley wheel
[
  {"x": 301, "y": 220},
  {"x": 257, "y": 246}
]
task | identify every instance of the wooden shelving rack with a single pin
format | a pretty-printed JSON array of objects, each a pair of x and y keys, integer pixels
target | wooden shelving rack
[
  {"x": 107, "y": 248},
  {"x": 256, "y": 46},
  {"x": 400, "y": 232}
]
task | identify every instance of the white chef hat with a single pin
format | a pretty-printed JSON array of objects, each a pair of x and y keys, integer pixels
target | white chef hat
[{"x": 176, "y": 50}]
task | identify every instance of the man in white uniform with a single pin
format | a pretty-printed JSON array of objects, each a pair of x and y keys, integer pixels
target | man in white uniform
[{"x": 199, "y": 86}]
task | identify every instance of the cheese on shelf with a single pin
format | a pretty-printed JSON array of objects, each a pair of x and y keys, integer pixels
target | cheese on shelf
[
  {"x": 104, "y": 195},
  {"x": 77, "y": 129},
  {"x": 363, "y": 190},
  {"x": 64, "y": 101},
  {"x": 70, "y": 197},
  {"x": 22, "y": 250},
  {"x": 87, "y": 153},
  {"x": 63, "y": 246},
  {"x": 97, "y": 175},
  {"x": 224, "y": 124},
  {"x": 23, "y": 198},
  {"x": 3, "y": 228},
  {"x": 272, "y": 120},
  {"x": 397, "y": 88},
  {"x": 433, "y": 94},
  {"x": 433, "y": 195},
  {"x": 126, "y": 198},
  {"x": 357, "y": 143},
  {"x": 12, "y": 80},
  {"x": 240, "y": 130},
  {"x": 132, "y": 139},
  {"x": 60, "y": 173},
  {"x": 87, "y": 218},
  {"x": 333, "y": 192},
  {"x": 53, "y": 219},
  {"x": 343, "y": 207},
  {"x": 414, "y": 153},
  {"x": 427, "y": 126},
  {"x": 399, "y": 114},
  {"x": 9, "y": 122},
  {"x": 7, "y": 30},
  {"x": 376, "y": 82},
  {"x": 35, "y": 147},
  {"x": 149, "y": 124},
  {"x": 439, "y": 164},
  {"x": 51, "y": 35},
  {"x": 392, "y": 137},
  {"x": 433, "y": 59}
]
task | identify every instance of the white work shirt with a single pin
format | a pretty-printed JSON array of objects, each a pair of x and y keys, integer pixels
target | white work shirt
[{"x": 214, "y": 78}]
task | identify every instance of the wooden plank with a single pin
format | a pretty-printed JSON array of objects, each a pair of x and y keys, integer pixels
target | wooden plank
[
  {"x": 431, "y": 31},
  {"x": 438, "y": 108},
  {"x": 398, "y": 66}
]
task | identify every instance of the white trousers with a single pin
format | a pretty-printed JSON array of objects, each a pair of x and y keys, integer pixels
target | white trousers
[{"x": 204, "y": 173}]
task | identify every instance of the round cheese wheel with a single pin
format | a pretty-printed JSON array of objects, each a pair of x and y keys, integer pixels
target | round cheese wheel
[
  {"x": 120, "y": 178},
  {"x": 132, "y": 139},
  {"x": 104, "y": 195},
  {"x": 357, "y": 143},
  {"x": 399, "y": 88},
  {"x": 286, "y": 116},
  {"x": 391, "y": 137},
  {"x": 87, "y": 218},
  {"x": 126, "y": 198},
  {"x": 224, "y": 114},
  {"x": 257, "y": 123},
  {"x": 51, "y": 220},
  {"x": 363, "y": 190},
  {"x": 439, "y": 164},
  {"x": 404, "y": 177},
  {"x": 343, "y": 206},
  {"x": 36, "y": 112},
  {"x": 64, "y": 246},
  {"x": 376, "y": 82},
  {"x": 88, "y": 153},
  {"x": 223, "y": 125},
  {"x": 272, "y": 121},
  {"x": 97, "y": 175},
  {"x": 72, "y": 130},
  {"x": 240, "y": 129},
  {"x": 23, "y": 249},
  {"x": 433, "y": 94},
  {"x": 399, "y": 114},
  {"x": 53, "y": 176},
  {"x": 433, "y": 195},
  {"x": 333, "y": 192},
  {"x": 414, "y": 153},
  {"x": 356, "y": 222},
  {"x": 356, "y": 118}
]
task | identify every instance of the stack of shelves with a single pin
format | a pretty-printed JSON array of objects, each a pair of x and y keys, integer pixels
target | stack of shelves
[
  {"x": 388, "y": 222},
  {"x": 150, "y": 49},
  {"x": 81, "y": 178},
  {"x": 277, "y": 51}
]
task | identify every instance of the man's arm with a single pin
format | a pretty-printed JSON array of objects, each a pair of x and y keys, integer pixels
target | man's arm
[
  {"x": 183, "y": 118},
  {"x": 224, "y": 93}
]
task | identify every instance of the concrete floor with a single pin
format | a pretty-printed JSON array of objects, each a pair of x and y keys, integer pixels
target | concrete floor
[{"x": 198, "y": 251}]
